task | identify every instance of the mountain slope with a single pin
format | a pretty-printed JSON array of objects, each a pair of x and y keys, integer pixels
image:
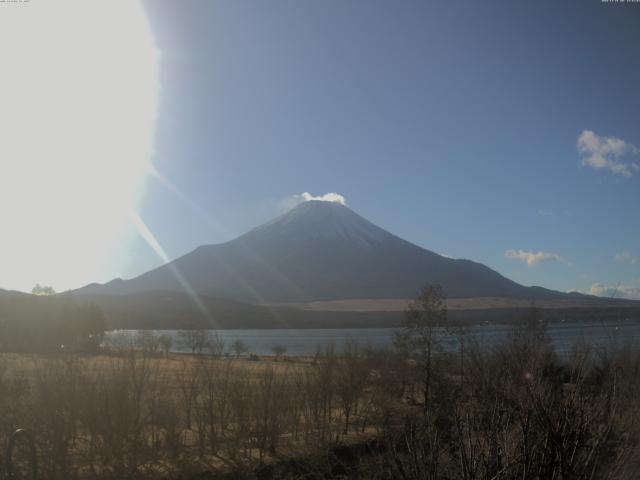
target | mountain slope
[{"x": 319, "y": 251}]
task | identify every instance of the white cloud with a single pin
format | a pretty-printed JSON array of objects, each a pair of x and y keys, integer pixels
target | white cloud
[
  {"x": 545, "y": 213},
  {"x": 626, "y": 257},
  {"x": 620, "y": 291},
  {"x": 600, "y": 152},
  {"x": 533, "y": 258},
  {"x": 327, "y": 197},
  {"x": 294, "y": 200}
]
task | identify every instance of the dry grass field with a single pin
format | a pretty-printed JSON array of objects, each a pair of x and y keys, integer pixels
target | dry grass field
[
  {"x": 172, "y": 365},
  {"x": 131, "y": 414}
]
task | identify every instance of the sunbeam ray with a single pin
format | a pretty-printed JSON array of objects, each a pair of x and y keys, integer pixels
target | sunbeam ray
[
  {"x": 153, "y": 243},
  {"x": 154, "y": 173}
]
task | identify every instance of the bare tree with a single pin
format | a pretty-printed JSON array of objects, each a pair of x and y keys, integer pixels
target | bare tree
[
  {"x": 351, "y": 378},
  {"x": 424, "y": 316},
  {"x": 239, "y": 347},
  {"x": 165, "y": 342},
  {"x": 148, "y": 341},
  {"x": 194, "y": 340},
  {"x": 278, "y": 350},
  {"x": 215, "y": 345},
  {"x": 43, "y": 290}
]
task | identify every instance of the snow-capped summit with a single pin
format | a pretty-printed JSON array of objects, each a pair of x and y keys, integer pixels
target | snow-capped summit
[{"x": 316, "y": 219}]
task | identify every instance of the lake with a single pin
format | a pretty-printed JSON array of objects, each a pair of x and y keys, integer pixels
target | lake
[{"x": 307, "y": 341}]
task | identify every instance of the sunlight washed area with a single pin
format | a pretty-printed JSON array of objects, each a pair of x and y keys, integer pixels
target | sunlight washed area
[{"x": 78, "y": 106}]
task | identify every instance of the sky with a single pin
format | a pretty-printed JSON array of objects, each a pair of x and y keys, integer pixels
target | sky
[{"x": 503, "y": 132}]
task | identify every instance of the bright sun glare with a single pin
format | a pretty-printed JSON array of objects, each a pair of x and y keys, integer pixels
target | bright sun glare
[{"x": 78, "y": 101}]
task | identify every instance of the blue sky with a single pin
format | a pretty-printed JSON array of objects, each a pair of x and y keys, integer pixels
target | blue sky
[
  {"x": 454, "y": 125},
  {"x": 503, "y": 132}
]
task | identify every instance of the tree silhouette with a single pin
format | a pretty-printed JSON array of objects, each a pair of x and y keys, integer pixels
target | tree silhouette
[{"x": 423, "y": 317}]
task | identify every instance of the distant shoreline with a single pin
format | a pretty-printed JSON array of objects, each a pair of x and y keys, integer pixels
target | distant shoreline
[{"x": 315, "y": 320}]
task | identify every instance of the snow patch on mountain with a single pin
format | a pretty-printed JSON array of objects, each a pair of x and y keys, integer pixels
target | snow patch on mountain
[{"x": 323, "y": 219}]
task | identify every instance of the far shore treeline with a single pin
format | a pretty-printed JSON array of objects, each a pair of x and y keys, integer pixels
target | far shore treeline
[{"x": 40, "y": 323}]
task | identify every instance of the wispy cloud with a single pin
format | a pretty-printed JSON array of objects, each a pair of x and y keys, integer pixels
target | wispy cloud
[
  {"x": 533, "y": 258},
  {"x": 553, "y": 213},
  {"x": 546, "y": 213},
  {"x": 293, "y": 200},
  {"x": 600, "y": 152},
  {"x": 620, "y": 291},
  {"x": 626, "y": 257}
]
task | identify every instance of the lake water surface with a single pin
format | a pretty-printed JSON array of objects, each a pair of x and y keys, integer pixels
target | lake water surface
[{"x": 306, "y": 341}]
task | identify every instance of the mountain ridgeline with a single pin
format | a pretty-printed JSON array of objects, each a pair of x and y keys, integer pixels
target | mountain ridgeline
[{"x": 318, "y": 251}]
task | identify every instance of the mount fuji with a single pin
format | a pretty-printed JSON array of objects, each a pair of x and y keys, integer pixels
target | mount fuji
[{"x": 319, "y": 251}]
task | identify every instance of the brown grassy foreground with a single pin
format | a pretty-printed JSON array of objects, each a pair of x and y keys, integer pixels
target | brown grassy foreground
[
  {"x": 515, "y": 411},
  {"x": 133, "y": 413}
]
